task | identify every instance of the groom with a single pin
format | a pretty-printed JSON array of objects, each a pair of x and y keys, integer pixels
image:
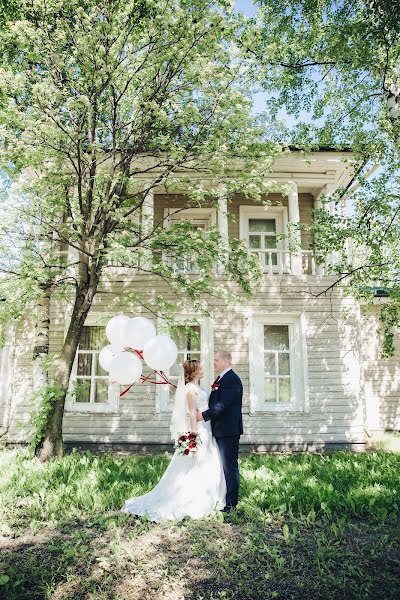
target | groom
[{"x": 225, "y": 412}]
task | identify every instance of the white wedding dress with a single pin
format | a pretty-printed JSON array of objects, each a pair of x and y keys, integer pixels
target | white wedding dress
[{"x": 192, "y": 486}]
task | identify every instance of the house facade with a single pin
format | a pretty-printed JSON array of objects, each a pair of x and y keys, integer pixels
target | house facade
[{"x": 308, "y": 357}]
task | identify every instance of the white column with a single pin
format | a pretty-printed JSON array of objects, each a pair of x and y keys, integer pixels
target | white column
[
  {"x": 319, "y": 269},
  {"x": 223, "y": 224},
  {"x": 332, "y": 258},
  {"x": 147, "y": 227},
  {"x": 294, "y": 232}
]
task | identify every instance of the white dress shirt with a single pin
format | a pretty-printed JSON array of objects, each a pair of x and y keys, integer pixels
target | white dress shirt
[{"x": 224, "y": 372}]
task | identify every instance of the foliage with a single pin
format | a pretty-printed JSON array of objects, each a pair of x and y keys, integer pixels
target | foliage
[
  {"x": 311, "y": 526},
  {"x": 366, "y": 247},
  {"x": 41, "y": 403},
  {"x": 336, "y": 60},
  {"x": 123, "y": 97},
  {"x": 335, "y": 68},
  {"x": 102, "y": 103}
]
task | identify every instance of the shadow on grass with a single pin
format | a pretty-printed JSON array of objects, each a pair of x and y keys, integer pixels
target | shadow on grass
[
  {"x": 311, "y": 526},
  {"x": 121, "y": 557}
]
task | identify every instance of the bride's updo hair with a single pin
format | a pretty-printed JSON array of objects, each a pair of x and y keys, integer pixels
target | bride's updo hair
[{"x": 190, "y": 368}]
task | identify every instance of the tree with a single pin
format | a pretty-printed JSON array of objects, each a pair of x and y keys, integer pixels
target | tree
[
  {"x": 340, "y": 62},
  {"x": 101, "y": 102}
]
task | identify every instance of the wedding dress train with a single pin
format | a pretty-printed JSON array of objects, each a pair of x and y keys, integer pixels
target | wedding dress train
[{"x": 192, "y": 486}]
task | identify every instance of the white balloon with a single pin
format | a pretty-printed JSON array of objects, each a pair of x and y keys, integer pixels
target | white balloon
[
  {"x": 138, "y": 332},
  {"x": 125, "y": 368},
  {"x": 116, "y": 348},
  {"x": 116, "y": 328},
  {"x": 160, "y": 353},
  {"x": 106, "y": 355}
]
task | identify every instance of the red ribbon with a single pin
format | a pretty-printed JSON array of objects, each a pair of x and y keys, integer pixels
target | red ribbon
[{"x": 147, "y": 379}]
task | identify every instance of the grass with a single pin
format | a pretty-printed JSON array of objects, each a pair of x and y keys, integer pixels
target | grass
[{"x": 310, "y": 526}]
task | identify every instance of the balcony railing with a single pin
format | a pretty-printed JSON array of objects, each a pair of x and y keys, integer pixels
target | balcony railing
[
  {"x": 272, "y": 262},
  {"x": 279, "y": 262}
]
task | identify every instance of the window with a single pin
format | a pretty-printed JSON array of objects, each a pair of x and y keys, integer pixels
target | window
[
  {"x": 194, "y": 342},
  {"x": 90, "y": 387},
  {"x": 199, "y": 218},
  {"x": 277, "y": 364},
  {"x": 262, "y": 228},
  {"x": 262, "y": 237},
  {"x": 188, "y": 341}
]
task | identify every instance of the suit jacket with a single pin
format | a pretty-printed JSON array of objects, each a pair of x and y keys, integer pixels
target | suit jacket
[{"x": 225, "y": 407}]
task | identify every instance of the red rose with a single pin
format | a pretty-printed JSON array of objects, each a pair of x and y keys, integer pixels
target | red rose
[
  {"x": 192, "y": 436},
  {"x": 186, "y": 451},
  {"x": 182, "y": 438},
  {"x": 192, "y": 445}
]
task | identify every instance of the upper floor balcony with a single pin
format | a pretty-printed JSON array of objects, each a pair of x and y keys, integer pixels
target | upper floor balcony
[{"x": 276, "y": 233}]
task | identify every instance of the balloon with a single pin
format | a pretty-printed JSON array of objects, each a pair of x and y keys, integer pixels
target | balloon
[
  {"x": 125, "y": 368},
  {"x": 138, "y": 332},
  {"x": 106, "y": 355},
  {"x": 160, "y": 353},
  {"x": 115, "y": 329},
  {"x": 116, "y": 348}
]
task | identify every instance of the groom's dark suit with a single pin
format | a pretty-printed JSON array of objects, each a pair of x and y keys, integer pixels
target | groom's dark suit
[{"x": 225, "y": 412}]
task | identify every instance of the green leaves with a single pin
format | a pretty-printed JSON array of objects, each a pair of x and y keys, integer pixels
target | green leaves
[
  {"x": 100, "y": 98},
  {"x": 335, "y": 60},
  {"x": 42, "y": 403},
  {"x": 332, "y": 65}
]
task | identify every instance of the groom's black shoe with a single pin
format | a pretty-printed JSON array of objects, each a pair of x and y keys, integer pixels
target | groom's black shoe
[{"x": 228, "y": 509}]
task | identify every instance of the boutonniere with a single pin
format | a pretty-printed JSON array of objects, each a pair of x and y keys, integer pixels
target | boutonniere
[{"x": 214, "y": 387}]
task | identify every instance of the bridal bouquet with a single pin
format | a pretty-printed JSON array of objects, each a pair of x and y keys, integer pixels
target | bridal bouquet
[{"x": 187, "y": 443}]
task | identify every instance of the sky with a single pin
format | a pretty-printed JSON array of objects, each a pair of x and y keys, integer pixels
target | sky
[{"x": 246, "y": 7}]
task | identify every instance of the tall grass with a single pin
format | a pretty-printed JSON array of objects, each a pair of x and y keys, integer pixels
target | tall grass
[
  {"x": 78, "y": 486},
  {"x": 83, "y": 486},
  {"x": 333, "y": 485}
]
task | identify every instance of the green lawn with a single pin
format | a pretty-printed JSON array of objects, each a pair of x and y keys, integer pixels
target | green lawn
[{"x": 311, "y": 526}]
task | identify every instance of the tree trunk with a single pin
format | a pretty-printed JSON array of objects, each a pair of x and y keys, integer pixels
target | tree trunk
[{"x": 52, "y": 443}]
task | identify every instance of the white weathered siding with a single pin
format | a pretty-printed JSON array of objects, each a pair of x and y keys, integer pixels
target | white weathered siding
[
  {"x": 20, "y": 387},
  {"x": 6, "y": 367},
  {"x": 335, "y": 412},
  {"x": 333, "y": 368},
  {"x": 381, "y": 378}
]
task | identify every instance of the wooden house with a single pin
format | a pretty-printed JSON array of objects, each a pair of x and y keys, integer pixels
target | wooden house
[{"x": 308, "y": 358}]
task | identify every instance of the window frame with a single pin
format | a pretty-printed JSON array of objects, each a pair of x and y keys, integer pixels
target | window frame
[
  {"x": 163, "y": 392},
  {"x": 298, "y": 363},
  {"x": 112, "y": 406},
  {"x": 189, "y": 214},
  {"x": 280, "y": 215},
  {"x": 193, "y": 213}
]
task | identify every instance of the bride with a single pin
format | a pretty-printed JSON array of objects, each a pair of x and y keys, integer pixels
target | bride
[{"x": 192, "y": 486}]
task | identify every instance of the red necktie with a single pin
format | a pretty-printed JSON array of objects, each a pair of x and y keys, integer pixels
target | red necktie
[{"x": 215, "y": 384}]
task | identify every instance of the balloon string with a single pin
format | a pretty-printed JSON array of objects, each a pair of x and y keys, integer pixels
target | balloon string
[
  {"x": 166, "y": 380},
  {"x": 143, "y": 379},
  {"x": 163, "y": 376},
  {"x": 125, "y": 391}
]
